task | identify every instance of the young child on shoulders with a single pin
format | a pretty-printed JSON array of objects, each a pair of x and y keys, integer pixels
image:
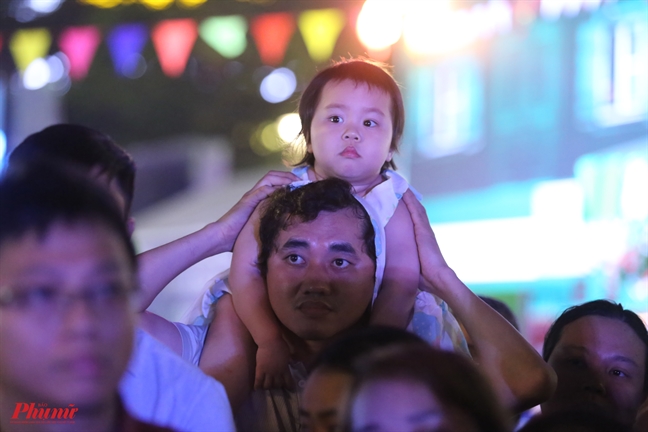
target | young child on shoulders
[{"x": 352, "y": 118}]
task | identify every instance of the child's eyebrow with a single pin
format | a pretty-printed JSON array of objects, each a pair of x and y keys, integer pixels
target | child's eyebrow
[{"x": 366, "y": 110}]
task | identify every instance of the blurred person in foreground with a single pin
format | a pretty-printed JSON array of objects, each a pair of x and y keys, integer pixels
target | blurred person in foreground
[
  {"x": 599, "y": 351},
  {"x": 158, "y": 386},
  {"x": 67, "y": 278},
  {"x": 411, "y": 388}
]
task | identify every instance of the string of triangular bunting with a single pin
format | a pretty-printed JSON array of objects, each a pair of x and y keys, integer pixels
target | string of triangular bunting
[{"x": 174, "y": 39}]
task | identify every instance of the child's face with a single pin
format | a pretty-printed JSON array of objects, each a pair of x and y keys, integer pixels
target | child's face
[{"x": 351, "y": 132}]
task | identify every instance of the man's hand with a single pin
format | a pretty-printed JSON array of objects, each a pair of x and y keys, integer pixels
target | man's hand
[
  {"x": 433, "y": 265},
  {"x": 272, "y": 366},
  {"x": 233, "y": 221}
]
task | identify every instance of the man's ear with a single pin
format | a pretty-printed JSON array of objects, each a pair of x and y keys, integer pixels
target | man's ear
[
  {"x": 130, "y": 225},
  {"x": 390, "y": 155}
]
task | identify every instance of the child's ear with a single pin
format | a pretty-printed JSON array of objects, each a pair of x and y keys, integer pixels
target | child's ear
[
  {"x": 309, "y": 148},
  {"x": 389, "y": 156}
]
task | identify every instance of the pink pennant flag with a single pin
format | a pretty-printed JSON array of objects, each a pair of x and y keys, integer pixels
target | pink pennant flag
[
  {"x": 271, "y": 33},
  {"x": 173, "y": 41},
  {"x": 79, "y": 44}
]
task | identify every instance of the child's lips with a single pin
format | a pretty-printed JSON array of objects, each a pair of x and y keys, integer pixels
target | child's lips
[{"x": 350, "y": 152}]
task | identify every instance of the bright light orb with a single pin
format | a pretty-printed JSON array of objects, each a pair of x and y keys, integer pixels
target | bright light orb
[
  {"x": 56, "y": 67},
  {"x": 380, "y": 24},
  {"x": 37, "y": 74},
  {"x": 44, "y": 6},
  {"x": 278, "y": 86},
  {"x": 288, "y": 127}
]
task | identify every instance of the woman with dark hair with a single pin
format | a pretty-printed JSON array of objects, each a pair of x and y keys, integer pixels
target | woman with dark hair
[{"x": 415, "y": 388}]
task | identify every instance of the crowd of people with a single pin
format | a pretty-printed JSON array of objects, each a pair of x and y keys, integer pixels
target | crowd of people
[{"x": 338, "y": 313}]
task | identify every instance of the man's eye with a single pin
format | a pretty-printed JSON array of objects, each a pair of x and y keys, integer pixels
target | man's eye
[
  {"x": 369, "y": 123},
  {"x": 295, "y": 259},
  {"x": 617, "y": 372},
  {"x": 577, "y": 362},
  {"x": 36, "y": 297},
  {"x": 335, "y": 119},
  {"x": 109, "y": 291},
  {"x": 340, "y": 263}
]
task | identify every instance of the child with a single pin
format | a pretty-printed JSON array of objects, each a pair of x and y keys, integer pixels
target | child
[{"x": 352, "y": 120}]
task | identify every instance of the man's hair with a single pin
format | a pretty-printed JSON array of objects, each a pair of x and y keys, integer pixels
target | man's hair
[
  {"x": 288, "y": 206},
  {"x": 35, "y": 198},
  {"x": 602, "y": 308},
  {"x": 82, "y": 146},
  {"x": 360, "y": 71}
]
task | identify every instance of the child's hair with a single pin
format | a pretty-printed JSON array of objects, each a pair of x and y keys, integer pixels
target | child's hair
[{"x": 360, "y": 71}]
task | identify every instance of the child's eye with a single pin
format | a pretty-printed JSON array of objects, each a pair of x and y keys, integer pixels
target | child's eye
[
  {"x": 295, "y": 259},
  {"x": 335, "y": 119},
  {"x": 369, "y": 123},
  {"x": 340, "y": 263},
  {"x": 617, "y": 372}
]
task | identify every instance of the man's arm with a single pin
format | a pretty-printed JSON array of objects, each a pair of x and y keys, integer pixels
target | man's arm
[
  {"x": 518, "y": 374},
  {"x": 159, "y": 266}
]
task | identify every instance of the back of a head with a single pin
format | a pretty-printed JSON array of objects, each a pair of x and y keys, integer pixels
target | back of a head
[
  {"x": 602, "y": 308},
  {"x": 452, "y": 379},
  {"x": 79, "y": 145},
  {"x": 290, "y": 205},
  {"x": 574, "y": 421},
  {"x": 35, "y": 197},
  {"x": 344, "y": 351},
  {"x": 501, "y": 308}
]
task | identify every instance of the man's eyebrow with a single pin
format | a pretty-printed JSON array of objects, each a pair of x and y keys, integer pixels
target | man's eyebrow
[
  {"x": 342, "y": 247},
  {"x": 625, "y": 359},
  {"x": 581, "y": 349},
  {"x": 294, "y": 243}
]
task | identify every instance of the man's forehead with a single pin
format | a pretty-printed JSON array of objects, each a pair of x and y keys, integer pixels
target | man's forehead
[{"x": 340, "y": 230}]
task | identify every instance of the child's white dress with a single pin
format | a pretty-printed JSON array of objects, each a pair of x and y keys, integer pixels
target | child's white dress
[{"x": 431, "y": 320}]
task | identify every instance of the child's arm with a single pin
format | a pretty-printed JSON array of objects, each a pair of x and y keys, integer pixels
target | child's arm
[
  {"x": 159, "y": 266},
  {"x": 250, "y": 299},
  {"x": 395, "y": 301}
]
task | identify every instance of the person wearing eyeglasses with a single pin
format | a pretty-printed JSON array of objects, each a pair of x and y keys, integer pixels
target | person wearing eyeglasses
[{"x": 67, "y": 282}]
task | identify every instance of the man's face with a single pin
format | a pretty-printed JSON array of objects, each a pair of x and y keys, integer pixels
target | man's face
[
  {"x": 320, "y": 279},
  {"x": 67, "y": 334},
  {"x": 600, "y": 364}
]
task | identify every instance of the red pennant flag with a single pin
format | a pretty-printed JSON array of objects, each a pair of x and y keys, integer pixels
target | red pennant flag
[
  {"x": 79, "y": 44},
  {"x": 173, "y": 41},
  {"x": 271, "y": 33}
]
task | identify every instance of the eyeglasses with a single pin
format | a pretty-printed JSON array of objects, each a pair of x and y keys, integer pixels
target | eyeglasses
[{"x": 49, "y": 301}]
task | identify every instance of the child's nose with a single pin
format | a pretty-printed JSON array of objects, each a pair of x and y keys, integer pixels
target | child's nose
[{"x": 351, "y": 135}]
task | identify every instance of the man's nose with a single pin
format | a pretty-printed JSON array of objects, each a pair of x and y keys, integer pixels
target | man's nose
[
  {"x": 80, "y": 319},
  {"x": 316, "y": 281},
  {"x": 594, "y": 383}
]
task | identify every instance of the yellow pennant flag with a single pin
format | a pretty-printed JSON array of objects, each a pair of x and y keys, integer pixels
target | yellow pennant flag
[
  {"x": 320, "y": 29},
  {"x": 29, "y": 44}
]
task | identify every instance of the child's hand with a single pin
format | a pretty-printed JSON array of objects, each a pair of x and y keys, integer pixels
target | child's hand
[
  {"x": 233, "y": 221},
  {"x": 272, "y": 366}
]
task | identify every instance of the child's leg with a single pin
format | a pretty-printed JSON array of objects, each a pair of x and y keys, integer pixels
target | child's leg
[{"x": 229, "y": 352}]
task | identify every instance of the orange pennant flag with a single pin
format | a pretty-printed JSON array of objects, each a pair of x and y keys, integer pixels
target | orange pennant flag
[{"x": 271, "y": 33}]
